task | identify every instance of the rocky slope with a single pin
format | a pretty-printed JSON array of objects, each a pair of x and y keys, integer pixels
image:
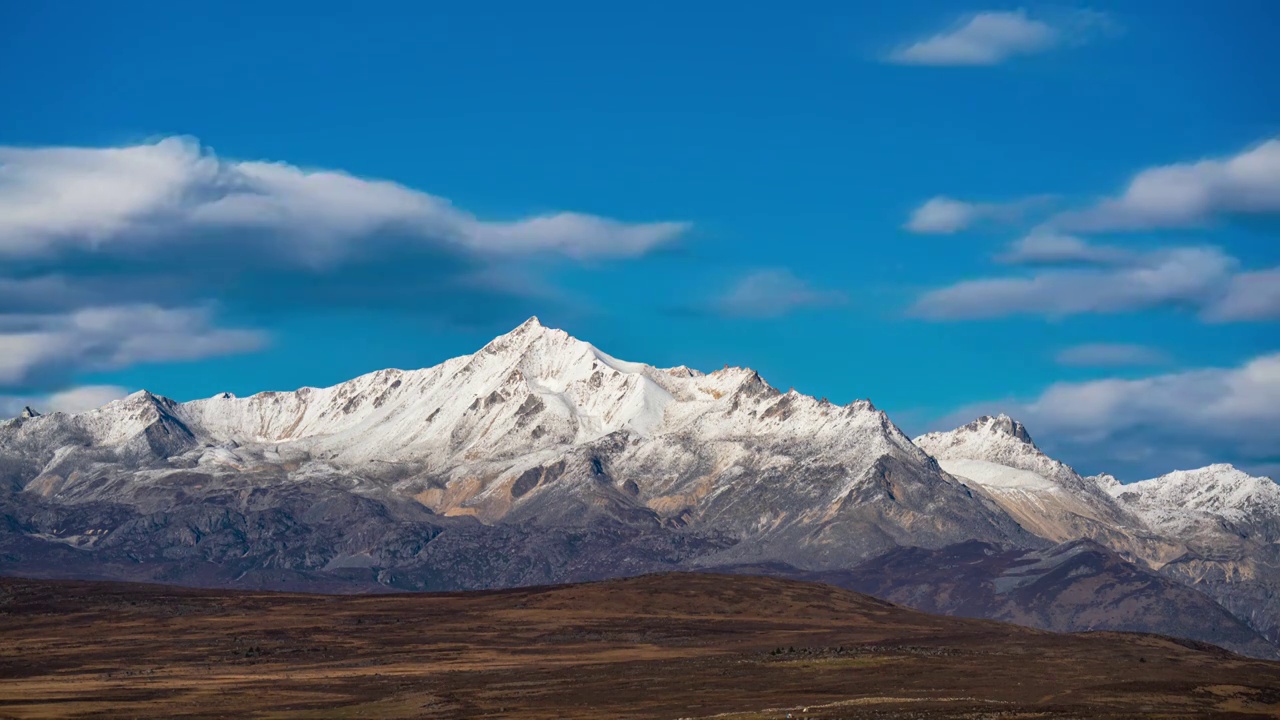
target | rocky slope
[
  {"x": 1073, "y": 587},
  {"x": 996, "y": 456},
  {"x": 1229, "y": 523},
  {"x": 1215, "y": 530}
]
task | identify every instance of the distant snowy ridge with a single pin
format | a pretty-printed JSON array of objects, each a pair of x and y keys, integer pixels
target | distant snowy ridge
[{"x": 1184, "y": 500}]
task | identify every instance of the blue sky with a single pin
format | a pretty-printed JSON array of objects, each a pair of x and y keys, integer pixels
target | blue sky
[{"x": 734, "y": 184}]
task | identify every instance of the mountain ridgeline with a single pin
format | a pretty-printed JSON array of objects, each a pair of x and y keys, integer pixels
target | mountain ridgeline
[{"x": 541, "y": 459}]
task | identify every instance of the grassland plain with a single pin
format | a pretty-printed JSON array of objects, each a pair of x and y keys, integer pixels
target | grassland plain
[{"x": 658, "y": 646}]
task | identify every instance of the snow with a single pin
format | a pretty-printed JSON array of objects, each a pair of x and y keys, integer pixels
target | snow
[
  {"x": 1049, "y": 498},
  {"x": 724, "y": 449},
  {"x": 1003, "y": 441},
  {"x": 528, "y": 398},
  {"x": 993, "y": 475},
  {"x": 1190, "y": 501}
]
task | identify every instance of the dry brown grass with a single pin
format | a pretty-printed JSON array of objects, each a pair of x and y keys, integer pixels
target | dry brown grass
[{"x": 654, "y": 647}]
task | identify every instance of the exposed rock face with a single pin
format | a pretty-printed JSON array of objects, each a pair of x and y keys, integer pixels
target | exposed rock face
[{"x": 542, "y": 459}]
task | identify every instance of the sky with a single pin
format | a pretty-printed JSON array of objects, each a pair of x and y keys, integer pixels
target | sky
[{"x": 1068, "y": 213}]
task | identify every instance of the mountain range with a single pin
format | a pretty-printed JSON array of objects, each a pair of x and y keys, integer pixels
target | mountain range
[{"x": 542, "y": 459}]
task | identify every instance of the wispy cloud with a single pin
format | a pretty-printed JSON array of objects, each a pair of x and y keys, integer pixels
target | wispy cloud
[
  {"x": 115, "y": 256},
  {"x": 1193, "y": 277},
  {"x": 990, "y": 38},
  {"x": 50, "y": 348},
  {"x": 1155, "y": 424},
  {"x": 1076, "y": 275},
  {"x": 1188, "y": 194},
  {"x": 944, "y": 215},
  {"x": 175, "y": 191},
  {"x": 773, "y": 293},
  {"x": 1047, "y": 248},
  {"x": 1110, "y": 355},
  {"x": 72, "y": 400},
  {"x": 1249, "y": 296}
]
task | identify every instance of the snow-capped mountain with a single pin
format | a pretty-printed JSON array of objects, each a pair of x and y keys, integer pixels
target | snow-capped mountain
[
  {"x": 1229, "y": 522},
  {"x": 540, "y": 458},
  {"x": 538, "y": 427},
  {"x": 1215, "y": 529},
  {"x": 1213, "y": 499},
  {"x": 997, "y": 456}
]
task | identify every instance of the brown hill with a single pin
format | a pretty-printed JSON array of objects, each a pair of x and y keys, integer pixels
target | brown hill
[
  {"x": 1072, "y": 587},
  {"x": 660, "y": 646}
]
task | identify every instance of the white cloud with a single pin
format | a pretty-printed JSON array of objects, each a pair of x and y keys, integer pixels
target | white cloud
[
  {"x": 1148, "y": 426},
  {"x": 944, "y": 215},
  {"x": 72, "y": 400},
  {"x": 1110, "y": 355},
  {"x": 1250, "y": 296},
  {"x": 1188, "y": 194},
  {"x": 773, "y": 293},
  {"x": 1192, "y": 277},
  {"x": 52, "y": 347},
  {"x": 84, "y": 397},
  {"x": 1048, "y": 248},
  {"x": 990, "y": 38},
  {"x": 110, "y": 257},
  {"x": 174, "y": 191}
]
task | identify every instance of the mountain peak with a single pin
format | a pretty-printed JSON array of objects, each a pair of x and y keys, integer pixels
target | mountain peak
[
  {"x": 531, "y": 328},
  {"x": 522, "y": 336},
  {"x": 533, "y": 323},
  {"x": 1001, "y": 424},
  {"x": 28, "y": 412},
  {"x": 1106, "y": 481}
]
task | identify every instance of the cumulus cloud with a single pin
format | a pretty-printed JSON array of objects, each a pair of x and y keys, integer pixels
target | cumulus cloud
[
  {"x": 990, "y": 38},
  {"x": 1188, "y": 194},
  {"x": 773, "y": 293},
  {"x": 1148, "y": 426},
  {"x": 71, "y": 400},
  {"x": 1192, "y": 277},
  {"x": 1048, "y": 248},
  {"x": 42, "y": 349},
  {"x": 1110, "y": 355},
  {"x": 174, "y": 191}
]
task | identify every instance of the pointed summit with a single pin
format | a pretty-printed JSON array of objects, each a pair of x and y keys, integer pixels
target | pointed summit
[
  {"x": 521, "y": 336},
  {"x": 1106, "y": 481},
  {"x": 1001, "y": 424},
  {"x": 28, "y": 413}
]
